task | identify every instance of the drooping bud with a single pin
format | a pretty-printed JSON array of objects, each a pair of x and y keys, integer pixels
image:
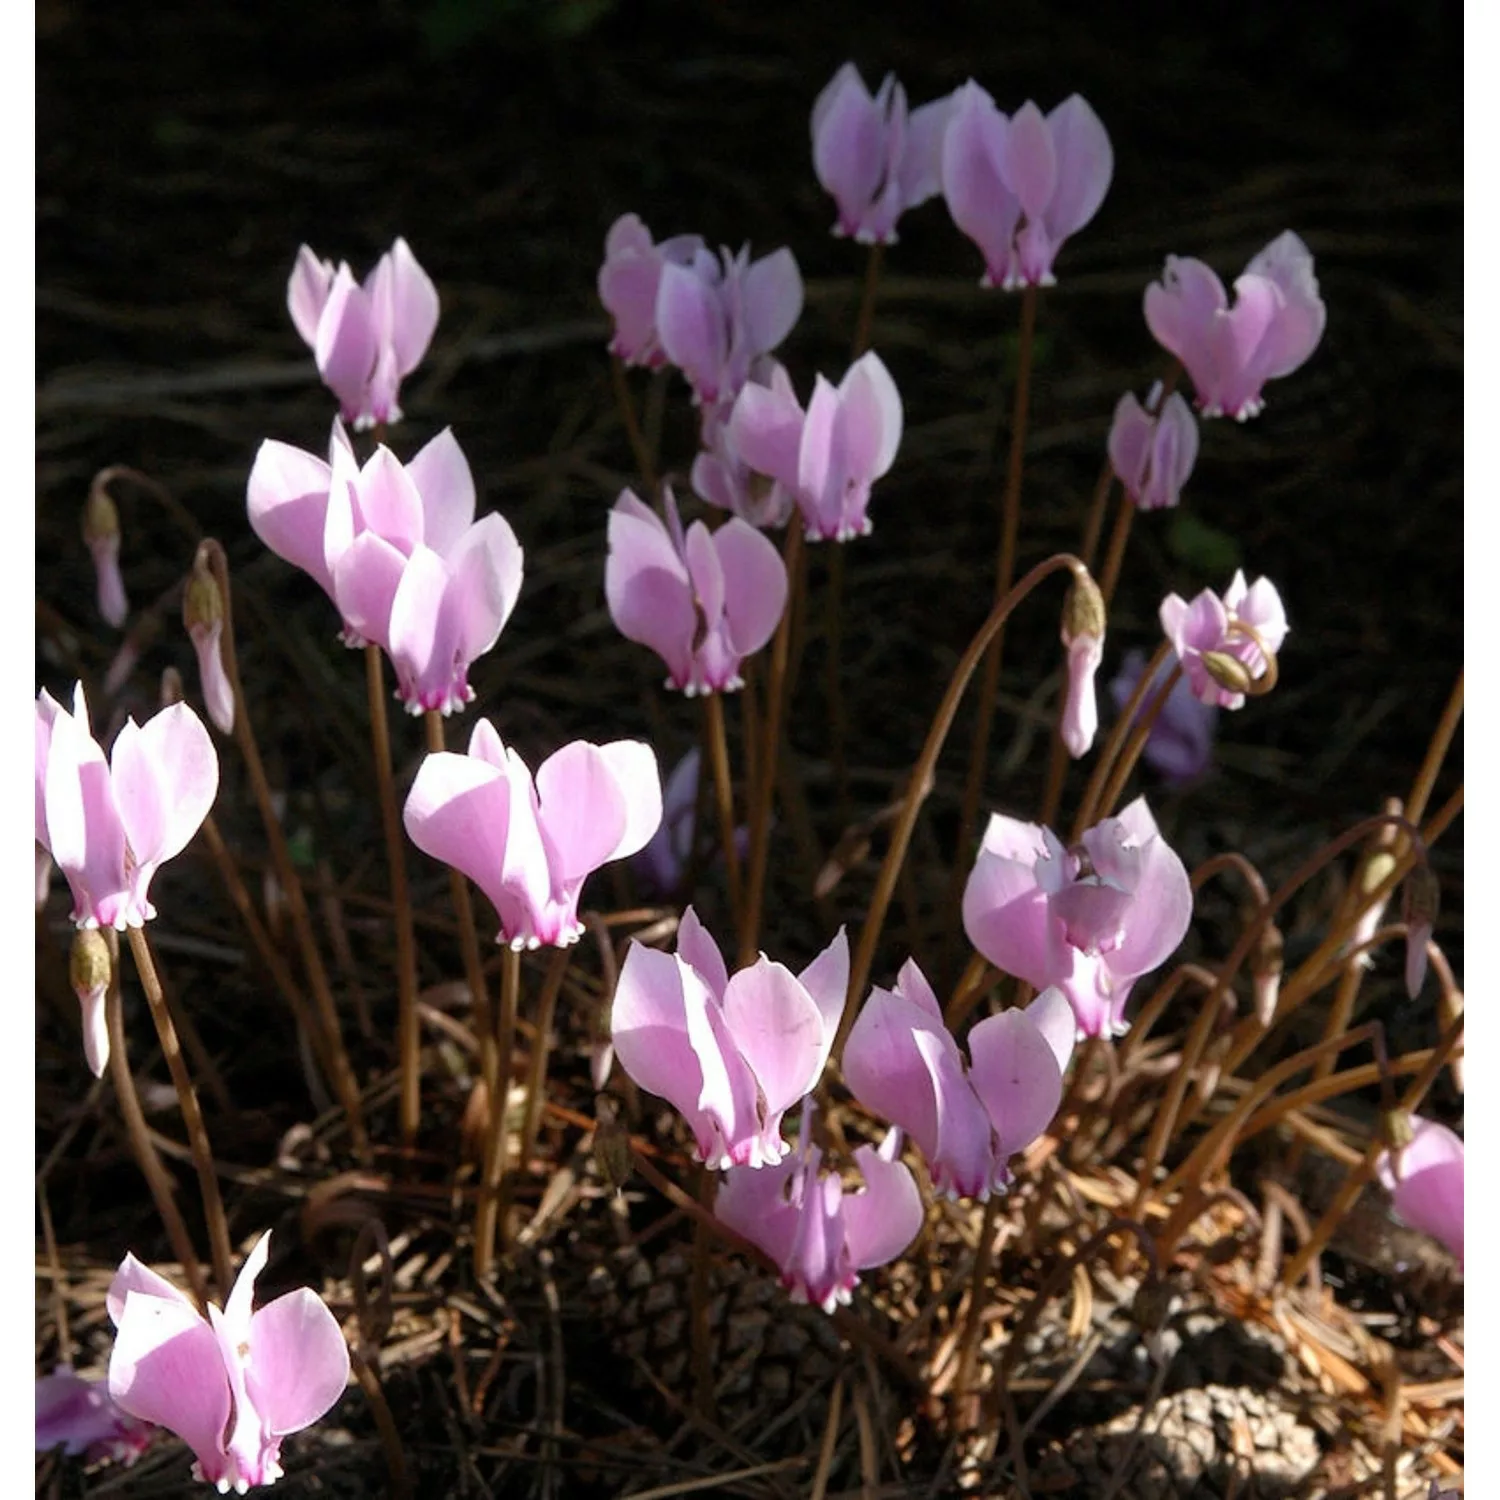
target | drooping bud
[
  {"x": 1229, "y": 672},
  {"x": 1396, "y": 1129},
  {"x": 1265, "y": 973},
  {"x": 101, "y": 534},
  {"x": 171, "y": 687},
  {"x": 203, "y": 616},
  {"x": 1419, "y": 909},
  {"x": 611, "y": 1143},
  {"x": 1083, "y": 624},
  {"x": 89, "y": 971}
]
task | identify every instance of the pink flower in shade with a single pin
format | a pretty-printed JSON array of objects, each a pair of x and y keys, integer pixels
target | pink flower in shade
[
  {"x": 530, "y": 845},
  {"x": 76, "y": 1415},
  {"x": 1426, "y": 1183},
  {"x": 830, "y": 455},
  {"x": 703, "y": 601},
  {"x": 1230, "y": 352},
  {"x": 876, "y": 159},
  {"x": 663, "y": 864},
  {"x": 1180, "y": 744},
  {"x": 821, "y": 1235},
  {"x": 203, "y": 614},
  {"x": 230, "y": 1386},
  {"x": 398, "y": 551},
  {"x": 629, "y": 280},
  {"x": 101, "y": 534},
  {"x": 723, "y": 478},
  {"x": 968, "y": 1119},
  {"x": 716, "y": 317},
  {"x": 1090, "y": 920},
  {"x": 1209, "y": 624},
  {"x": 366, "y": 339},
  {"x": 1153, "y": 448},
  {"x": 732, "y": 1054},
  {"x": 110, "y": 824},
  {"x": 1019, "y": 187}
]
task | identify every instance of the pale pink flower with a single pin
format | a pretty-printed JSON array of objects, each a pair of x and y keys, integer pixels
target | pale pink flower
[
  {"x": 968, "y": 1119},
  {"x": 703, "y": 601},
  {"x": 722, "y": 476},
  {"x": 366, "y": 339},
  {"x": 629, "y": 280},
  {"x": 876, "y": 159},
  {"x": 231, "y": 1386},
  {"x": 1090, "y": 920},
  {"x": 1426, "y": 1182},
  {"x": 1208, "y": 625},
  {"x": 1152, "y": 448},
  {"x": 1019, "y": 186},
  {"x": 77, "y": 1415},
  {"x": 1181, "y": 742},
  {"x": 530, "y": 845},
  {"x": 111, "y": 824},
  {"x": 663, "y": 864},
  {"x": 827, "y": 457},
  {"x": 731, "y": 1053},
  {"x": 821, "y": 1235},
  {"x": 1230, "y": 352}
]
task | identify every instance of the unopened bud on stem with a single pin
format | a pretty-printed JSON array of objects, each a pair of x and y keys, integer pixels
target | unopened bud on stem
[
  {"x": 1396, "y": 1129},
  {"x": 1228, "y": 671},
  {"x": 1419, "y": 909},
  {"x": 89, "y": 971},
  {"x": 101, "y": 534},
  {"x": 1083, "y": 622},
  {"x": 203, "y": 615},
  {"x": 1266, "y": 964}
]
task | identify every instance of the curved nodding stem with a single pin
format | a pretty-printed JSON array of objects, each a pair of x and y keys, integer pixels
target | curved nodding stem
[
  {"x": 638, "y": 447},
  {"x": 211, "y": 555},
  {"x": 1109, "y": 751},
  {"x": 919, "y": 784}
]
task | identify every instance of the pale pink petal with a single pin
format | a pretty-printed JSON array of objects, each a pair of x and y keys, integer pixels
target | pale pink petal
[
  {"x": 765, "y": 428},
  {"x": 848, "y": 145},
  {"x": 696, "y": 947},
  {"x": 779, "y": 1032},
  {"x": 411, "y": 312},
  {"x": 753, "y": 1202},
  {"x": 826, "y": 979},
  {"x": 1052, "y": 1016},
  {"x": 1426, "y": 1182},
  {"x": 346, "y": 346},
  {"x": 755, "y": 584},
  {"x": 582, "y": 809},
  {"x": 649, "y": 1028},
  {"x": 485, "y": 567},
  {"x": 872, "y": 416},
  {"x": 633, "y": 765},
  {"x": 690, "y": 325},
  {"x": 772, "y": 304},
  {"x": 299, "y": 1362},
  {"x": 978, "y": 200},
  {"x": 135, "y": 1276},
  {"x": 1027, "y": 160},
  {"x": 1007, "y": 919},
  {"x": 173, "y": 751},
  {"x": 388, "y": 501},
  {"x": 287, "y": 499},
  {"x": 887, "y": 1072},
  {"x": 1130, "y": 438},
  {"x": 307, "y": 293},
  {"x": 458, "y": 811},
  {"x": 1085, "y": 165},
  {"x": 365, "y": 580},
  {"x": 1015, "y": 1073},
  {"x": 443, "y": 479},
  {"x": 886, "y": 1217},
  {"x": 921, "y": 167}
]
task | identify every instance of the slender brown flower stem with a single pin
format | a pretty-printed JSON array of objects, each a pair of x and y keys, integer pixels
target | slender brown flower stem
[
  {"x": 468, "y": 937},
  {"x": 1093, "y": 526},
  {"x": 969, "y": 1341},
  {"x": 972, "y": 983},
  {"x": 632, "y": 426},
  {"x": 408, "y": 1034},
  {"x": 865, "y": 323},
  {"x": 139, "y": 1135},
  {"x": 192, "y": 1116},
  {"x": 1140, "y": 732},
  {"x": 1437, "y": 748},
  {"x": 1119, "y": 732},
  {"x": 776, "y": 693},
  {"x": 750, "y": 736},
  {"x": 1114, "y": 559},
  {"x": 536, "y": 1078},
  {"x": 718, "y": 748},
  {"x": 286, "y": 872},
  {"x": 1357, "y": 1177},
  {"x": 701, "y": 1335},
  {"x": 919, "y": 783},
  {"x": 1005, "y": 565},
  {"x": 488, "y": 1231}
]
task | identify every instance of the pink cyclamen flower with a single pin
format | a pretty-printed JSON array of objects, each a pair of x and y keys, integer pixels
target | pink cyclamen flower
[
  {"x": 76, "y": 1415},
  {"x": 366, "y": 339},
  {"x": 398, "y": 551},
  {"x": 1230, "y": 352},
  {"x": 1426, "y": 1183},
  {"x": 1210, "y": 625},
  {"x": 629, "y": 280},
  {"x": 1153, "y": 448},
  {"x": 1180, "y": 744},
  {"x": 111, "y": 824},
  {"x": 830, "y": 455},
  {"x": 820, "y": 1235},
  {"x": 722, "y": 476},
  {"x": 662, "y": 865},
  {"x": 530, "y": 845},
  {"x": 731, "y": 1053},
  {"x": 716, "y": 317},
  {"x": 1019, "y": 187},
  {"x": 703, "y": 601},
  {"x": 230, "y": 1386},
  {"x": 203, "y": 614},
  {"x": 876, "y": 159},
  {"x": 968, "y": 1119},
  {"x": 1090, "y": 920}
]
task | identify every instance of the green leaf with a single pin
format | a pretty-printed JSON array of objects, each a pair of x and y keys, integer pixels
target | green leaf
[{"x": 1201, "y": 547}]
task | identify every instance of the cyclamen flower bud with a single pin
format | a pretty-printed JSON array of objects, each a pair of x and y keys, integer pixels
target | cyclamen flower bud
[
  {"x": 1083, "y": 635},
  {"x": 203, "y": 617},
  {"x": 1419, "y": 909},
  {"x": 101, "y": 534},
  {"x": 1226, "y": 671},
  {"x": 89, "y": 971}
]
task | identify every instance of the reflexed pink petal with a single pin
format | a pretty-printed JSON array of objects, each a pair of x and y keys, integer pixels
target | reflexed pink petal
[
  {"x": 772, "y": 300},
  {"x": 706, "y": 573},
  {"x": 696, "y": 947},
  {"x": 753, "y": 1202},
  {"x": 1007, "y": 919},
  {"x": 779, "y": 1032},
  {"x": 1085, "y": 166},
  {"x": 307, "y": 293},
  {"x": 872, "y": 416},
  {"x": 135, "y": 1276},
  {"x": 638, "y": 776},
  {"x": 407, "y": 305},
  {"x": 87, "y": 838},
  {"x": 820, "y": 467},
  {"x": 921, "y": 169},
  {"x": 755, "y": 584},
  {"x": 1426, "y": 1182},
  {"x": 978, "y": 199},
  {"x": 1182, "y": 305},
  {"x": 1130, "y": 438},
  {"x": 299, "y": 1362},
  {"x": 172, "y": 758},
  {"x": 1288, "y": 263},
  {"x": 886, "y": 1071},
  {"x": 287, "y": 500},
  {"x": 886, "y": 1217},
  {"x": 826, "y": 979},
  {"x": 346, "y": 347},
  {"x": 485, "y": 569},
  {"x": 365, "y": 582},
  {"x": 1015, "y": 1073},
  {"x": 422, "y": 635},
  {"x": 765, "y": 427},
  {"x": 582, "y": 809},
  {"x": 441, "y": 476},
  {"x": 729, "y": 1098},
  {"x": 648, "y": 1025},
  {"x": 848, "y": 145},
  {"x": 389, "y": 502},
  {"x": 1027, "y": 160},
  {"x": 1174, "y": 451},
  {"x": 690, "y": 326},
  {"x": 458, "y": 811}
]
